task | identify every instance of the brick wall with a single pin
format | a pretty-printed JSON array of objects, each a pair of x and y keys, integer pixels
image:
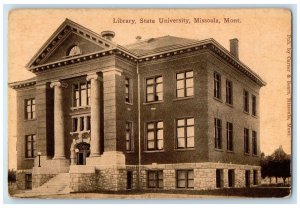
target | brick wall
[{"x": 234, "y": 114}]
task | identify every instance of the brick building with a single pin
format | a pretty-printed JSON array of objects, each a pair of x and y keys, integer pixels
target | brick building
[{"x": 161, "y": 113}]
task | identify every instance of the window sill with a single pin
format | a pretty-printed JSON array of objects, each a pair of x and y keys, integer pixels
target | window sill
[
  {"x": 229, "y": 105},
  {"x": 32, "y": 119},
  {"x": 230, "y": 151},
  {"x": 153, "y": 151},
  {"x": 185, "y": 149},
  {"x": 246, "y": 154},
  {"x": 129, "y": 152},
  {"x": 79, "y": 132},
  {"x": 29, "y": 158},
  {"x": 153, "y": 102},
  {"x": 246, "y": 112},
  {"x": 80, "y": 107},
  {"x": 72, "y": 56},
  {"x": 183, "y": 98},
  {"x": 218, "y": 150},
  {"x": 254, "y": 155},
  {"x": 254, "y": 116},
  {"x": 128, "y": 103},
  {"x": 218, "y": 99}
]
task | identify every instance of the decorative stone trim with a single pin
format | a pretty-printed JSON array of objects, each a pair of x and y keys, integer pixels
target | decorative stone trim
[
  {"x": 58, "y": 84},
  {"x": 19, "y": 85},
  {"x": 93, "y": 76}
]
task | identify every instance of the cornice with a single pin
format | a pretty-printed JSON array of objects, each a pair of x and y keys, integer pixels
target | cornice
[
  {"x": 68, "y": 27},
  {"x": 209, "y": 44},
  {"x": 22, "y": 84}
]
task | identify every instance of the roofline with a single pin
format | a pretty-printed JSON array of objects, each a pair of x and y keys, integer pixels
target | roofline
[
  {"x": 132, "y": 56},
  {"x": 122, "y": 51},
  {"x": 57, "y": 31},
  {"x": 23, "y": 84}
]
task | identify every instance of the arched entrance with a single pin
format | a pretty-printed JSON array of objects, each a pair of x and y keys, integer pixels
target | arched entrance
[{"x": 82, "y": 152}]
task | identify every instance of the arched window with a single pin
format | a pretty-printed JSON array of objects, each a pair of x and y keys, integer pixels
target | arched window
[{"x": 75, "y": 50}]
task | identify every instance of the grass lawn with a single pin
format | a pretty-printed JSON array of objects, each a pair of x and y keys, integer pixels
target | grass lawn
[
  {"x": 255, "y": 192},
  {"x": 240, "y": 192}
]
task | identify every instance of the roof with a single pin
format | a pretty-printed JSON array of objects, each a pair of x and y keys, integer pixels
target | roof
[
  {"x": 60, "y": 34},
  {"x": 24, "y": 83},
  {"x": 140, "y": 51},
  {"x": 159, "y": 44}
]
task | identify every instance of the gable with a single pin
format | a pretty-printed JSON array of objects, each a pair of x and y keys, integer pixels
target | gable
[
  {"x": 68, "y": 34},
  {"x": 62, "y": 51}
]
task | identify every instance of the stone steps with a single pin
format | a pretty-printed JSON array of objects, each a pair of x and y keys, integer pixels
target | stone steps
[{"x": 56, "y": 185}]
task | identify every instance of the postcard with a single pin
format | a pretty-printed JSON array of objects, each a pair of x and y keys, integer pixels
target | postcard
[{"x": 149, "y": 103}]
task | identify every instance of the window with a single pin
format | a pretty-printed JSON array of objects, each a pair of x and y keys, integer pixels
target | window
[
  {"x": 128, "y": 90},
  {"x": 231, "y": 178},
  {"x": 217, "y": 85},
  {"x": 184, "y": 84},
  {"x": 129, "y": 180},
  {"x": 247, "y": 178},
  {"x": 30, "y": 146},
  {"x": 254, "y": 142},
  {"x": 155, "y": 179},
  {"x": 253, "y": 105},
  {"x": 154, "y": 89},
  {"x": 75, "y": 50},
  {"x": 155, "y": 136},
  {"x": 229, "y": 128},
  {"x": 218, "y": 133},
  {"x": 30, "y": 108},
  {"x": 219, "y": 178},
  {"x": 229, "y": 93},
  {"x": 28, "y": 181},
  {"x": 81, "y": 119},
  {"x": 81, "y": 123},
  {"x": 246, "y": 101},
  {"x": 88, "y": 123},
  {"x": 129, "y": 136},
  {"x": 185, "y": 179},
  {"x": 74, "y": 124},
  {"x": 255, "y": 177},
  {"x": 185, "y": 133},
  {"x": 246, "y": 141},
  {"x": 81, "y": 94}
]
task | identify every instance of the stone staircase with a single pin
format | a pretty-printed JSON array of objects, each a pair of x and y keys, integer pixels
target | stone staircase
[{"x": 56, "y": 185}]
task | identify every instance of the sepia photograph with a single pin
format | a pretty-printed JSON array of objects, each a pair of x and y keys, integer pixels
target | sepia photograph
[{"x": 150, "y": 103}]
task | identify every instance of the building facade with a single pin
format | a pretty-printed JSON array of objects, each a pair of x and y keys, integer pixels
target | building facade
[{"x": 162, "y": 113}]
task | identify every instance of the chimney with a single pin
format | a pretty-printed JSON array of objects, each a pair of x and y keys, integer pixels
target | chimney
[
  {"x": 234, "y": 47},
  {"x": 108, "y": 35}
]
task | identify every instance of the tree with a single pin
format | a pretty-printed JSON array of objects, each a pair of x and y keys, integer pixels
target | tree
[
  {"x": 276, "y": 165},
  {"x": 11, "y": 176}
]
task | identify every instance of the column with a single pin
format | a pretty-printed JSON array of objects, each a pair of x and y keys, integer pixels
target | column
[
  {"x": 112, "y": 89},
  {"x": 95, "y": 114},
  {"x": 113, "y": 96},
  {"x": 59, "y": 139}
]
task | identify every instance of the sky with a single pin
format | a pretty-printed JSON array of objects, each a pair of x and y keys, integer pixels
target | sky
[{"x": 262, "y": 34}]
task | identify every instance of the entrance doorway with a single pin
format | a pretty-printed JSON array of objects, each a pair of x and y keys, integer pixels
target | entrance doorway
[{"x": 82, "y": 152}]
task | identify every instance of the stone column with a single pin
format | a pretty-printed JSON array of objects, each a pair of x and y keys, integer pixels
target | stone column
[
  {"x": 113, "y": 89},
  {"x": 59, "y": 138},
  {"x": 95, "y": 114}
]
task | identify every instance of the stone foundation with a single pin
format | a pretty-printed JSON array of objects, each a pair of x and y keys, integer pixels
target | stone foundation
[
  {"x": 204, "y": 174},
  {"x": 89, "y": 178},
  {"x": 47, "y": 170},
  {"x": 39, "y": 179},
  {"x": 20, "y": 178}
]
